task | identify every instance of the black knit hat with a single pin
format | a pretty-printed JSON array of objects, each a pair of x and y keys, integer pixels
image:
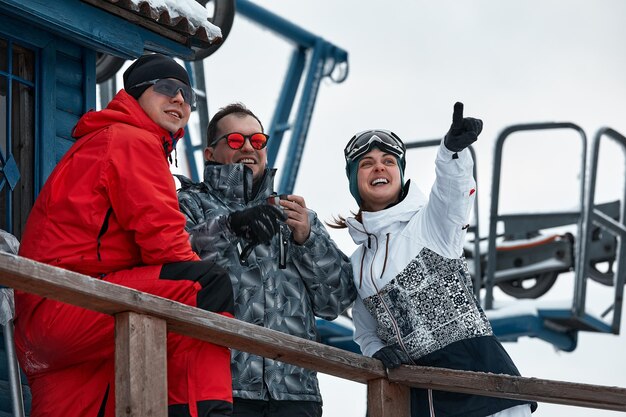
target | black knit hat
[{"x": 152, "y": 67}]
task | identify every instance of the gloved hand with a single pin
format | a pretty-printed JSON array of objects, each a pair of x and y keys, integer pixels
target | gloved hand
[
  {"x": 256, "y": 224},
  {"x": 392, "y": 356},
  {"x": 463, "y": 132}
]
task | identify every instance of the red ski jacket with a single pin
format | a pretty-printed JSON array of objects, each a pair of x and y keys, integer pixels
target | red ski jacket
[{"x": 110, "y": 203}]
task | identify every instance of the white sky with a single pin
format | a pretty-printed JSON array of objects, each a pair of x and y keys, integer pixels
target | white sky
[{"x": 510, "y": 63}]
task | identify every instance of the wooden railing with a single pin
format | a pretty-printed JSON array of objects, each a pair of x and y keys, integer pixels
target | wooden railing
[{"x": 142, "y": 321}]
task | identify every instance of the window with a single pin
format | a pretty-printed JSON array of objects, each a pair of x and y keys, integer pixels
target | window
[{"x": 17, "y": 135}]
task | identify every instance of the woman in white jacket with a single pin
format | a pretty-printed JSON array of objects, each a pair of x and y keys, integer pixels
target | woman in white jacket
[{"x": 415, "y": 302}]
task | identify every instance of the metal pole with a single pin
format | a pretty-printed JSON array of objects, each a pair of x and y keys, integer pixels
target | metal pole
[{"x": 13, "y": 368}]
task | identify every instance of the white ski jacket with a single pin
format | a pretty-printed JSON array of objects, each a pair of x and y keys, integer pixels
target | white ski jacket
[{"x": 391, "y": 239}]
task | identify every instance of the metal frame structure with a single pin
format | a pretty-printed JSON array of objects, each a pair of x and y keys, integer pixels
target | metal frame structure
[
  {"x": 13, "y": 367},
  {"x": 318, "y": 57},
  {"x": 592, "y": 216},
  {"x": 494, "y": 216}
]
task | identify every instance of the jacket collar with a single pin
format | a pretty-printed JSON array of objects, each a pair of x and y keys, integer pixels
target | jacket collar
[
  {"x": 126, "y": 110},
  {"x": 233, "y": 182},
  {"x": 377, "y": 222}
]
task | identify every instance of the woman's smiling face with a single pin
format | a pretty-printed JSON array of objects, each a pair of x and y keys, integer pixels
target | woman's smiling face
[{"x": 378, "y": 179}]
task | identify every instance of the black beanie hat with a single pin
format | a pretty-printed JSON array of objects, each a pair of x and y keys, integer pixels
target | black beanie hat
[{"x": 152, "y": 67}]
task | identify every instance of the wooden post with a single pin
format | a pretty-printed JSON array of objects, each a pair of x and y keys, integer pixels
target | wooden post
[
  {"x": 387, "y": 399},
  {"x": 140, "y": 366}
]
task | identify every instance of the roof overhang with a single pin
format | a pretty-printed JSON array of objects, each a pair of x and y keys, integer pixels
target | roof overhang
[
  {"x": 172, "y": 27},
  {"x": 183, "y": 21}
]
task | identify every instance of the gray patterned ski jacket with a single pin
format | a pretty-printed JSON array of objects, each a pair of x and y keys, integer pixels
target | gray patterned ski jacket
[{"x": 317, "y": 279}]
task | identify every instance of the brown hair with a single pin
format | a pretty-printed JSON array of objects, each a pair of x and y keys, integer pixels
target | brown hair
[
  {"x": 339, "y": 222},
  {"x": 236, "y": 108}
]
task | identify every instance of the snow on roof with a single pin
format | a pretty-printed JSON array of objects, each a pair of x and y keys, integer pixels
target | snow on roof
[{"x": 186, "y": 16}]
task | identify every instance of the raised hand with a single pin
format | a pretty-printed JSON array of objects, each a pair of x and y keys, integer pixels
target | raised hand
[{"x": 464, "y": 130}]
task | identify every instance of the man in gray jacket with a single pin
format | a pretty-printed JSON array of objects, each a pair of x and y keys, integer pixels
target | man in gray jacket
[{"x": 284, "y": 267}]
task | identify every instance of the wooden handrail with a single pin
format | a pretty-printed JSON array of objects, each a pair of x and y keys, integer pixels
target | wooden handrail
[
  {"x": 83, "y": 291},
  {"x": 387, "y": 394}
]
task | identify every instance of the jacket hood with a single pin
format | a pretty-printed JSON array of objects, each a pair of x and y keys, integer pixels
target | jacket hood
[
  {"x": 375, "y": 222},
  {"x": 233, "y": 182},
  {"x": 125, "y": 109}
]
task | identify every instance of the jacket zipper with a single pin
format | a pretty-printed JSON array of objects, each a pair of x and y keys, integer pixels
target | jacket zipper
[
  {"x": 103, "y": 230},
  {"x": 391, "y": 318}
]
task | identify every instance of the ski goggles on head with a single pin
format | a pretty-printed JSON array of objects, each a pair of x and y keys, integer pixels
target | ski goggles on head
[
  {"x": 170, "y": 87},
  {"x": 236, "y": 140},
  {"x": 363, "y": 142}
]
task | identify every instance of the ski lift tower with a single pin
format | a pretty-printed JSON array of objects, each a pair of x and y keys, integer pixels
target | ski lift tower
[{"x": 313, "y": 59}]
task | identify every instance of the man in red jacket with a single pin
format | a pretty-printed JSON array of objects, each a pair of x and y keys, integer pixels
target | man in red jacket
[{"x": 109, "y": 210}]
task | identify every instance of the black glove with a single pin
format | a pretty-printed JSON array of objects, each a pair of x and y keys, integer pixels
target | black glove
[
  {"x": 463, "y": 132},
  {"x": 256, "y": 224},
  {"x": 392, "y": 356}
]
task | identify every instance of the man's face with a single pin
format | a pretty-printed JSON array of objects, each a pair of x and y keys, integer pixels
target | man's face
[
  {"x": 170, "y": 113},
  {"x": 220, "y": 152}
]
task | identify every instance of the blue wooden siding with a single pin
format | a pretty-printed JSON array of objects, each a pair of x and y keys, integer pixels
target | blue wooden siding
[{"x": 69, "y": 100}]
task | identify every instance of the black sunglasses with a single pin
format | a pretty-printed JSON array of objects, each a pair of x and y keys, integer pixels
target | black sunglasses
[
  {"x": 170, "y": 88},
  {"x": 236, "y": 140}
]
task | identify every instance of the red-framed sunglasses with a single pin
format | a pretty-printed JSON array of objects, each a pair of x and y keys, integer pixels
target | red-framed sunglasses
[{"x": 235, "y": 140}]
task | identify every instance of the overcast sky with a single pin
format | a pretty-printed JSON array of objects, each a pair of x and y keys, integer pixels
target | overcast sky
[{"x": 510, "y": 63}]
